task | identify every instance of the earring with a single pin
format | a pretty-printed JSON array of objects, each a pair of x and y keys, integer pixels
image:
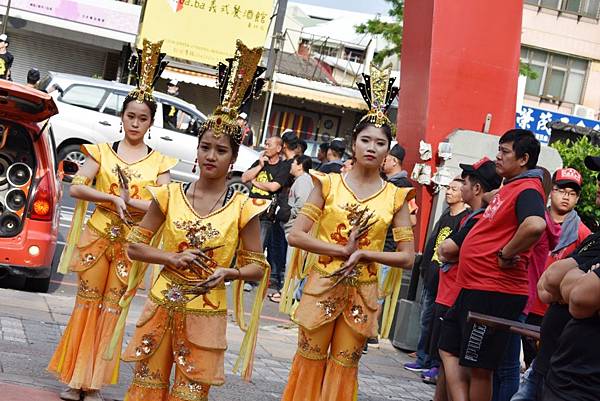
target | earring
[
  {"x": 149, "y": 137},
  {"x": 121, "y": 129},
  {"x": 195, "y": 166},
  {"x": 230, "y": 172}
]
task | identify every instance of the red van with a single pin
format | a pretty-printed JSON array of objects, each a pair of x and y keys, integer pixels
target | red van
[{"x": 30, "y": 185}]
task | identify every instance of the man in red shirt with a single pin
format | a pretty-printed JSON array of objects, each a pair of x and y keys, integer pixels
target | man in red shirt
[{"x": 492, "y": 270}]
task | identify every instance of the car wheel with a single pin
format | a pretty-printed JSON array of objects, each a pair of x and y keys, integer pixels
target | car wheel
[
  {"x": 237, "y": 185},
  {"x": 37, "y": 284},
  {"x": 72, "y": 153}
]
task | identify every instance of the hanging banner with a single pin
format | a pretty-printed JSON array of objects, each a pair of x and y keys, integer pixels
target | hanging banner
[{"x": 206, "y": 30}]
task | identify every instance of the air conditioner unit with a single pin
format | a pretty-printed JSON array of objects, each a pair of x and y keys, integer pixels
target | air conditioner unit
[{"x": 584, "y": 112}]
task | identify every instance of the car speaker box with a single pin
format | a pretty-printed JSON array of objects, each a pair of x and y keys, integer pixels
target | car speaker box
[{"x": 15, "y": 181}]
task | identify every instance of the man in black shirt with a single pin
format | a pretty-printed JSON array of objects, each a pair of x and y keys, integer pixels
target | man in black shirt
[
  {"x": 568, "y": 357},
  {"x": 334, "y": 163},
  {"x": 6, "y": 58}
]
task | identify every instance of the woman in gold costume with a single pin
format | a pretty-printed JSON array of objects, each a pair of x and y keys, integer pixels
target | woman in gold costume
[
  {"x": 203, "y": 224},
  {"x": 121, "y": 171},
  {"x": 344, "y": 224}
]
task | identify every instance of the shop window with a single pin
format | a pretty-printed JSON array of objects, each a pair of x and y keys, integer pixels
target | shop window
[
  {"x": 584, "y": 8},
  {"x": 559, "y": 77},
  {"x": 89, "y": 97}
]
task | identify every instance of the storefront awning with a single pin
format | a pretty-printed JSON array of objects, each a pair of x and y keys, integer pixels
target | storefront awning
[
  {"x": 319, "y": 92},
  {"x": 192, "y": 77}
]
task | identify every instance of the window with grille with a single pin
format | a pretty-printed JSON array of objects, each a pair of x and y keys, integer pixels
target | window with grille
[
  {"x": 585, "y": 8},
  {"x": 559, "y": 77}
]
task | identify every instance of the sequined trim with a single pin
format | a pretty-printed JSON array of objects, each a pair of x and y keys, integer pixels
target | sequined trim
[
  {"x": 309, "y": 351},
  {"x": 139, "y": 235},
  {"x": 351, "y": 281},
  {"x": 86, "y": 292},
  {"x": 81, "y": 180},
  {"x": 181, "y": 354},
  {"x": 190, "y": 391},
  {"x": 122, "y": 269},
  {"x": 182, "y": 307},
  {"x": 329, "y": 306},
  {"x": 143, "y": 377},
  {"x": 114, "y": 295},
  {"x": 248, "y": 257},
  {"x": 358, "y": 315},
  {"x": 348, "y": 358}
]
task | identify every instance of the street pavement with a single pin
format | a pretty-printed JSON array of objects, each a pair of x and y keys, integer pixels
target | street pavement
[{"x": 31, "y": 325}]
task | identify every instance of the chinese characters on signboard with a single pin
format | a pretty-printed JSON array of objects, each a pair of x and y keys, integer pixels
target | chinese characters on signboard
[
  {"x": 206, "y": 30},
  {"x": 536, "y": 120}
]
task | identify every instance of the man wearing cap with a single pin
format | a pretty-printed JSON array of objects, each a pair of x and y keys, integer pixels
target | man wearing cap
[
  {"x": 479, "y": 178},
  {"x": 247, "y": 134},
  {"x": 567, "y": 366},
  {"x": 322, "y": 153},
  {"x": 492, "y": 270},
  {"x": 334, "y": 163},
  {"x": 6, "y": 58}
]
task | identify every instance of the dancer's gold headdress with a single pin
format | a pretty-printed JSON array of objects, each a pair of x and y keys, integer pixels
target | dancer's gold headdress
[
  {"x": 150, "y": 65},
  {"x": 238, "y": 82},
  {"x": 379, "y": 93}
]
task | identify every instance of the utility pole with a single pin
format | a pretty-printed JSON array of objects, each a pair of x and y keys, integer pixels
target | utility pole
[
  {"x": 5, "y": 17},
  {"x": 277, "y": 41}
]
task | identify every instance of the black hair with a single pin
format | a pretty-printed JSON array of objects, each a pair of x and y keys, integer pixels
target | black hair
[
  {"x": 33, "y": 76},
  {"x": 150, "y": 103},
  {"x": 305, "y": 161},
  {"x": 523, "y": 142},
  {"x": 303, "y": 145},
  {"x": 290, "y": 140},
  {"x": 361, "y": 126},
  {"x": 324, "y": 147},
  {"x": 235, "y": 147},
  {"x": 338, "y": 147},
  {"x": 474, "y": 179}
]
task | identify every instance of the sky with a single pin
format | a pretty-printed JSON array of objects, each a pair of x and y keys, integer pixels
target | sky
[{"x": 371, "y": 7}]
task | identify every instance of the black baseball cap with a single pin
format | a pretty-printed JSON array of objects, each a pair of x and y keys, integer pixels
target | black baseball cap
[
  {"x": 398, "y": 152},
  {"x": 592, "y": 162},
  {"x": 485, "y": 171}
]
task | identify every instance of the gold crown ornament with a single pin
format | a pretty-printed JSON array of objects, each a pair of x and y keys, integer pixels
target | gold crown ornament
[
  {"x": 379, "y": 93},
  {"x": 150, "y": 65},
  {"x": 238, "y": 82}
]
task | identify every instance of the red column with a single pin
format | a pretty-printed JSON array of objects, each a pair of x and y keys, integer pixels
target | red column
[{"x": 460, "y": 61}]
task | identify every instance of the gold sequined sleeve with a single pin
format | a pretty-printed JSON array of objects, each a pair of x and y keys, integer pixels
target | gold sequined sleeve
[
  {"x": 161, "y": 196},
  {"x": 166, "y": 164},
  {"x": 92, "y": 151},
  {"x": 403, "y": 195},
  {"x": 324, "y": 179},
  {"x": 251, "y": 208}
]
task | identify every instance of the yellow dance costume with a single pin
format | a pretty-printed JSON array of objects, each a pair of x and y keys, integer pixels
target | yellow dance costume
[
  {"x": 337, "y": 316},
  {"x": 98, "y": 256},
  {"x": 176, "y": 327}
]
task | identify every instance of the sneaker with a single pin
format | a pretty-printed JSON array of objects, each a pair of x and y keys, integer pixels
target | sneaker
[
  {"x": 373, "y": 342},
  {"x": 93, "y": 396},
  {"x": 247, "y": 287},
  {"x": 366, "y": 348},
  {"x": 414, "y": 367},
  {"x": 431, "y": 373},
  {"x": 70, "y": 394}
]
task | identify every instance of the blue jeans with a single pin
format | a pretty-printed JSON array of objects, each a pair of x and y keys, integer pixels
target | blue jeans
[
  {"x": 276, "y": 253},
  {"x": 532, "y": 386},
  {"x": 423, "y": 359},
  {"x": 506, "y": 376}
]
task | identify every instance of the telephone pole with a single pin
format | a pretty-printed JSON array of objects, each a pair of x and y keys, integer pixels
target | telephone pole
[{"x": 5, "y": 17}]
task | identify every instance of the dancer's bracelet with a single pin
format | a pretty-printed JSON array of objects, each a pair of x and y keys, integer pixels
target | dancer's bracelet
[
  {"x": 81, "y": 180},
  {"x": 403, "y": 234},
  {"x": 247, "y": 257},
  {"x": 139, "y": 235}
]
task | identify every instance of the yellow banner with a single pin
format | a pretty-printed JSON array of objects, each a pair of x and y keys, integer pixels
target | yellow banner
[{"x": 206, "y": 30}]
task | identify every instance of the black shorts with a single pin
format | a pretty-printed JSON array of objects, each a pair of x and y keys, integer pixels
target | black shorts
[
  {"x": 439, "y": 313},
  {"x": 477, "y": 345}
]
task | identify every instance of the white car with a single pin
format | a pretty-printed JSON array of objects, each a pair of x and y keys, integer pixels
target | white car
[{"x": 89, "y": 112}]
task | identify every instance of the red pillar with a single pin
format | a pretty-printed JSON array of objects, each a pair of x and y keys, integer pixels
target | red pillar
[{"x": 460, "y": 61}]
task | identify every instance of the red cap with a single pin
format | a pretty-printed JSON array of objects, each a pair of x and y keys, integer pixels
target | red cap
[{"x": 567, "y": 176}]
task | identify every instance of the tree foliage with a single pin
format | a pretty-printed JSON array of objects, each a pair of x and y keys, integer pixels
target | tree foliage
[
  {"x": 573, "y": 153},
  {"x": 390, "y": 31},
  {"x": 525, "y": 69}
]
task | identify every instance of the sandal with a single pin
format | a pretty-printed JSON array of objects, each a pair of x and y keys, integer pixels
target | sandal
[{"x": 275, "y": 297}]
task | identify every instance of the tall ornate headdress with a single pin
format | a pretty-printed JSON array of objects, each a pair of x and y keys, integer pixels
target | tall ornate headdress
[
  {"x": 379, "y": 93},
  {"x": 150, "y": 65},
  {"x": 238, "y": 82}
]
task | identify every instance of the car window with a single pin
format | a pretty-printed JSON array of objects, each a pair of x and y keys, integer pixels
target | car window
[
  {"x": 90, "y": 97},
  {"x": 176, "y": 118},
  {"x": 114, "y": 104}
]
